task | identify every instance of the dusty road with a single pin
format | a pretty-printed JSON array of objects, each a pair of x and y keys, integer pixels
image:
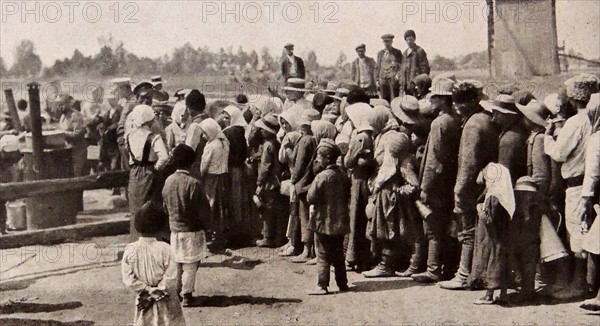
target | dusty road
[{"x": 56, "y": 286}]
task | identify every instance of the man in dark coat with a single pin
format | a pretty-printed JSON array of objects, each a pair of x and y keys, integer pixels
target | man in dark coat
[
  {"x": 196, "y": 105},
  {"x": 363, "y": 71},
  {"x": 478, "y": 147},
  {"x": 292, "y": 66},
  {"x": 438, "y": 170},
  {"x": 389, "y": 62},
  {"x": 415, "y": 61},
  {"x": 512, "y": 143}
]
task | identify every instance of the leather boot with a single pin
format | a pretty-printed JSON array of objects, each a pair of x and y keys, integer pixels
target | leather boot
[
  {"x": 433, "y": 272},
  {"x": 416, "y": 261}
]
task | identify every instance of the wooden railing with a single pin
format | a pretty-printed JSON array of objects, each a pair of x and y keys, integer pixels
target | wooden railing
[{"x": 16, "y": 190}]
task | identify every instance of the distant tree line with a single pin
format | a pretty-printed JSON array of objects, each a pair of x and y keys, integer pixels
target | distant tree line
[{"x": 114, "y": 59}]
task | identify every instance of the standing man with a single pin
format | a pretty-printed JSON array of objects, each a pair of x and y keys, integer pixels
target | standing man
[
  {"x": 71, "y": 122},
  {"x": 363, "y": 71},
  {"x": 389, "y": 62},
  {"x": 415, "y": 62},
  {"x": 478, "y": 147},
  {"x": 292, "y": 66},
  {"x": 438, "y": 170},
  {"x": 159, "y": 93}
]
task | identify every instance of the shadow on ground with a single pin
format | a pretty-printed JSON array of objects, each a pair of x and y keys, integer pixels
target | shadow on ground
[
  {"x": 514, "y": 300},
  {"x": 11, "y": 307},
  {"x": 42, "y": 322},
  {"x": 377, "y": 286},
  {"x": 228, "y": 301},
  {"x": 236, "y": 262}
]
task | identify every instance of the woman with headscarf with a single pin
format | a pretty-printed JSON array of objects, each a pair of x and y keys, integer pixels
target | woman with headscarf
[
  {"x": 214, "y": 170},
  {"x": 301, "y": 177},
  {"x": 234, "y": 128},
  {"x": 359, "y": 160},
  {"x": 176, "y": 131},
  {"x": 383, "y": 210},
  {"x": 289, "y": 128},
  {"x": 147, "y": 156},
  {"x": 421, "y": 85}
]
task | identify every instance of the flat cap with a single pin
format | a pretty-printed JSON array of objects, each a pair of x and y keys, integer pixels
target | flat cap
[{"x": 387, "y": 37}]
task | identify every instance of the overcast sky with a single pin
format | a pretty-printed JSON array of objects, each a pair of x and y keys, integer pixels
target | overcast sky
[{"x": 155, "y": 28}]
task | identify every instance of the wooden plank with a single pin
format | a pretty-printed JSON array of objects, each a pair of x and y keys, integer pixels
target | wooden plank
[{"x": 16, "y": 190}]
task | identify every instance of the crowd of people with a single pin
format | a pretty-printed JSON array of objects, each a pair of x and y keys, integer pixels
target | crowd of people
[{"x": 429, "y": 179}]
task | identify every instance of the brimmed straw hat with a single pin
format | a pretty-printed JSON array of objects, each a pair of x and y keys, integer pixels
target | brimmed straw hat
[
  {"x": 268, "y": 123},
  {"x": 535, "y": 111},
  {"x": 502, "y": 103}
]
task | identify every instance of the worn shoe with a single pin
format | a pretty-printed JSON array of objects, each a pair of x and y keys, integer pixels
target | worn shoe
[
  {"x": 457, "y": 283},
  {"x": 379, "y": 271},
  {"x": 425, "y": 277},
  {"x": 591, "y": 304},
  {"x": 343, "y": 288},
  {"x": 301, "y": 259},
  {"x": 187, "y": 300},
  {"x": 318, "y": 291},
  {"x": 264, "y": 243},
  {"x": 407, "y": 273},
  {"x": 287, "y": 252},
  {"x": 311, "y": 262}
]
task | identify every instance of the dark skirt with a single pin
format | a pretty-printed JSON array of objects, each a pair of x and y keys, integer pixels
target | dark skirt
[
  {"x": 216, "y": 187},
  {"x": 357, "y": 247},
  {"x": 140, "y": 190},
  {"x": 491, "y": 253}
]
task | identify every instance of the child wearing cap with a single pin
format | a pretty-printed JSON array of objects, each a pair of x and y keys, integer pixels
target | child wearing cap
[
  {"x": 187, "y": 205},
  {"x": 328, "y": 196},
  {"x": 148, "y": 268}
]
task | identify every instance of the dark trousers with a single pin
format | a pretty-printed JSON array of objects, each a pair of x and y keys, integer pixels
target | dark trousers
[
  {"x": 390, "y": 89},
  {"x": 440, "y": 249},
  {"x": 330, "y": 251}
]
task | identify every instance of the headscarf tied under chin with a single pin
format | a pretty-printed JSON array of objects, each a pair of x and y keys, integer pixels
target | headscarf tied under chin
[
  {"x": 141, "y": 114},
  {"x": 378, "y": 119},
  {"x": 178, "y": 113},
  {"x": 211, "y": 129},
  {"x": 236, "y": 117},
  {"x": 593, "y": 108},
  {"x": 291, "y": 117},
  {"x": 323, "y": 130}
]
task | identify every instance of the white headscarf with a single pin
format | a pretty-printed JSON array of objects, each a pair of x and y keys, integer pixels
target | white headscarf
[
  {"x": 236, "y": 117},
  {"x": 141, "y": 114},
  {"x": 178, "y": 112}
]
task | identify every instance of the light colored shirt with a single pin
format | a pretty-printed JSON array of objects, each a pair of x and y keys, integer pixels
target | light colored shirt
[
  {"x": 148, "y": 263},
  {"x": 569, "y": 147},
  {"x": 293, "y": 66},
  {"x": 158, "y": 151},
  {"x": 90, "y": 111},
  {"x": 175, "y": 135},
  {"x": 73, "y": 126},
  {"x": 215, "y": 158},
  {"x": 193, "y": 135},
  {"x": 592, "y": 166},
  {"x": 363, "y": 75}
]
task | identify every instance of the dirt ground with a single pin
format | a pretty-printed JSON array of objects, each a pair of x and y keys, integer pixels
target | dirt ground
[{"x": 250, "y": 287}]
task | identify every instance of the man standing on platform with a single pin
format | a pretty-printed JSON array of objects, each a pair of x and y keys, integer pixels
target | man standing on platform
[
  {"x": 363, "y": 71},
  {"x": 415, "y": 62},
  {"x": 291, "y": 65},
  {"x": 389, "y": 62}
]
